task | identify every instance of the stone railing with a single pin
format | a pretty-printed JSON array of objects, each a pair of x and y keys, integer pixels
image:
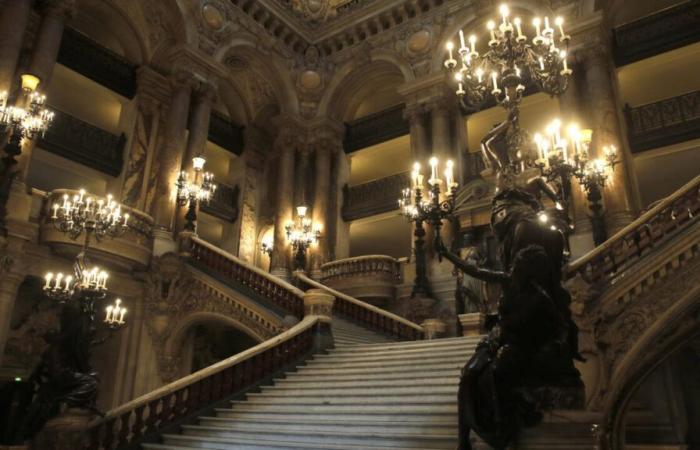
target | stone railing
[
  {"x": 375, "y": 197},
  {"x": 269, "y": 290},
  {"x": 132, "y": 249},
  {"x": 224, "y": 204},
  {"x": 375, "y": 129},
  {"x": 84, "y": 143},
  {"x": 665, "y": 122},
  {"x": 87, "y": 57},
  {"x": 366, "y": 315},
  {"x": 371, "y": 278},
  {"x": 144, "y": 418},
  {"x": 670, "y": 216}
]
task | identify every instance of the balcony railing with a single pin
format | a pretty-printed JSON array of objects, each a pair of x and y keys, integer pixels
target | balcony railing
[
  {"x": 657, "y": 33},
  {"x": 670, "y": 216},
  {"x": 375, "y": 129},
  {"x": 370, "y": 278},
  {"x": 375, "y": 197},
  {"x": 225, "y": 133},
  {"x": 665, "y": 122},
  {"x": 224, "y": 205},
  {"x": 85, "y": 144},
  {"x": 133, "y": 248}
]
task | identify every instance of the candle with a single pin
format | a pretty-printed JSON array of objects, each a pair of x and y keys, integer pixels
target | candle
[
  {"x": 59, "y": 277},
  {"x": 564, "y": 153},
  {"x": 449, "y": 46},
  {"x": 491, "y": 26},
  {"x": 563, "y": 59},
  {"x": 126, "y": 218},
  {"x": 536, "y": 22},
  {"x": 463, "y": 44},
  {"x": 546, "y": 24},
  {"x": 108, "y": 314},
  {"x": 68, "y": 280},
  {"x": 516, "y": 21},
  {"x": 495, "y": 81},
  {"x": 65, "y": 200},
  {"x": 433, "y": 170},
  {"x": 449, "y": 175},
  {"x": 545, "y": 153},
  {"x": 48, "y": 278},
  {"x": 560, "y": 23},
  {"x": 479, "y": 74},
  {"x": 504, "y": 14},
  {"x": 541, "y": 63},
  {"x": 472, "y": 43},
  {"x": 55, "y": 211},
  {"x": 121, "y": 316},
  {"x": 538, "y": 142}
]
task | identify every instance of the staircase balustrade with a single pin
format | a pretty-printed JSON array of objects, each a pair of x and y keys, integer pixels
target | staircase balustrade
[
  {"x": 364, "y": 314},
  {"x": 143, "y": 418},
  {"x": 382, "y": 265},
  {"x": 227, "y": 266},
  {"x": 670, "y": 216}
]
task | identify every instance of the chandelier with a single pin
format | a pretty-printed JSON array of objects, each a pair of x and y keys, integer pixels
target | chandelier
[
  {"x": 418, "y": 209},
  {"x": 302, "y": 235},
  {"x": 23, "y": 121},
  {"x": 92, "y": 215},
  {"x": 512, "y": 60},
  {"x": 200, "y": 190}
]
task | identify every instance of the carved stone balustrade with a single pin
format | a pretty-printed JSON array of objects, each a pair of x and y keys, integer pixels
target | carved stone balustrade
[
  {"x": 375, "y": 197},
  {"x": 371, "y": 278},
  {"x": 375, "y": 129},
  {"x": 131, "y": 250},
  {"x": 662, "y": 123}
]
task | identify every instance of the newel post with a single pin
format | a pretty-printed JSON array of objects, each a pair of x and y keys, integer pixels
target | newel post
[{"x": 318, "y": 302}]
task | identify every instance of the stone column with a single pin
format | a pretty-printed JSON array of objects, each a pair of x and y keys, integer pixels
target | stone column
[
  {"x": 442, "y": 143},
  {"x": 602, "y": 109},
  {"x": 200, "y": 115},
  {"x": 48, "y": 40},
  {"x": 285, "y": 147},
  {"x": 322, "y": 171},
  {"x": 581, "y": 241},
  {"x": 9, "y": 283},
  {"x": 302, "y": 175},
  {"x": 169, "y": 161},
  {"x": 13, "y": 23},
  {"x": 255, "y": 146},
  {"x": 415, "y": 114}
]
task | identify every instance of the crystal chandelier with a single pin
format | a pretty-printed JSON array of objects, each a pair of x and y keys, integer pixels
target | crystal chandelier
[
  {"x": 92, "y": 215},
  {"x": 437, "y": 206},
  {"x": 200, "y": 190},
  {"x": 302, "y": 235},
  {"x": 510, "y": 61},
  {"x": 27, "y": 119}
]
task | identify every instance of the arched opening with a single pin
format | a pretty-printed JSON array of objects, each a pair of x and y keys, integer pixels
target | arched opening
[
  {"x": 209, "y": 343},
  {"x": 664, "y": 410}
]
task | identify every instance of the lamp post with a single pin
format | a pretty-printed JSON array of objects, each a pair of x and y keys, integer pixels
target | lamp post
[
  {"x": 302, "y": 234},
  {"x": 433, "y": 209},
  {"x": 200, "y": 190}
]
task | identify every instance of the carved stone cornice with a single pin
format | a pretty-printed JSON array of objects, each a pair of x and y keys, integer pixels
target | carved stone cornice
[
  {"x": 152, "y": 86},
  {"x": 204, "y": 68}
]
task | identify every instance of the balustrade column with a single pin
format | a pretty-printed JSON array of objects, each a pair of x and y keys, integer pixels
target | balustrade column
[
  {"x": 321, "y": 198},
  {"x": 169, "y": 159},
  {"x": 13, "y": 23},
  {"x": 415, "y": 114},
  {"x": 285, "y": 146},
  {"x": 602, "y": 109}
]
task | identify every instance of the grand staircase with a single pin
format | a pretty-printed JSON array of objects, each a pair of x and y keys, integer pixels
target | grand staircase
[{"x": 360, "y": 395}]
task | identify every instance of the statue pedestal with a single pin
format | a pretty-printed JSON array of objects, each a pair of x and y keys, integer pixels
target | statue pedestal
[
  {"x": 472, "y": 324},
  {"x": 65, "y": 431}
]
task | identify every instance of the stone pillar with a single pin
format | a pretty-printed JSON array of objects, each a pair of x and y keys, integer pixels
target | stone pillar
[
  {"x": 472, "y": 324},
  {"x": 48, "y": 40},
  {"x": 338, "y": 230},
  {"x": 253, "y": 155},
  {"x": 302, "y": 175},
  {"x": 415, "y": 114},
  {"x": 169, "y": 161},
  {"x": 285, "y": 147},
  {"x": 581, "y": 241},
  {"x": 442, "y": 142},
  {"x": 322, "y": 175},
  {"x": 602, "y": 109},
  {"x": 199, "y": 118},
  {"x": 13, "y": 23},
  {"x": 318, "y": 302},
  {"x": 9, "y": 283}
]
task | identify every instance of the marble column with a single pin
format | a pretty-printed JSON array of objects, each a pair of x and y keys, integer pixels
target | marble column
[
  {"x": 48, "y": 40},
  {"x": 285, "y": 146},
  {"x": 415, "y": 114},
  {"x": 199, "y": 118},
  {"x": 169, "y": 161},
  {"x": 571, "y": 111},
  {"x": 442, "y": 142},
  {"x": 254, "y": 156},
  {"x": 9, "y": 283},
  {"x": 322, "y": 175},
  {"x": 302, "y": 175},
  {"x": 13, "y": 23},
  {"x": 602, "y": 109}
]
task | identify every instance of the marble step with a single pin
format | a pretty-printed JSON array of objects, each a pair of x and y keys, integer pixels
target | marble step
[
  {"x": 383, "y": 399},
  {"x": 374, "y": 370},
  {"x": 378, "y": 439},
  {"x": 417, "y": 360},
  {"x": 408, "y": 345},
  {"x": 420, "y": 415},
  {"x": 431, "y": 389},
  {"x": 339, "y": 375},
  {"x": 303, "y": 383},
  {"x": 445, "y": 406},
  {"x": 331, "y": 357},
  {"x": 359, "y": 426}
]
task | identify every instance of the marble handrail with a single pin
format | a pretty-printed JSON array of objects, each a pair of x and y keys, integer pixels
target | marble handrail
[
  {"x": 676, "y": 212},
  {"x": 129, "y": 423},
  {"x": 367, "y": 315},
  {"x": 366, "y": 264}
]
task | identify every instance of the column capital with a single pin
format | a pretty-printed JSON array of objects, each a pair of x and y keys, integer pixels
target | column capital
[
  {"x": 414, "y": 111},
  {"x": 205, "y": 90},
  {"x": 151, "y": 86}
]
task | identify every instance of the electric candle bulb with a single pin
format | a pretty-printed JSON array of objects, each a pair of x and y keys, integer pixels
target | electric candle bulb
[
  {"x": 546, "y": 25},
  {"x": 541, "y": 63},
  {"x": 108, "y": 315},
  {"x": 472, "y": 43},
  {"x": 59, "y": 277},
  {"x": 449, "y": 46},
  {"x": 491, "y": 26},
  {"x": 121, "y": 316},
  {"x": 563, "y": 59},
  {"x": 536, "y": 22},
  {"x": 433, "y": 168},
  {"x": 504, "y": 13},
  {"x": 518, "y": 28},
  {"x": 68, "y": 281},
  {"x": 48, "y": 277},
  {"x": 463, "y": 44},
  {"x": 559, "y": 21},
  {"x": 495, "y": 80}
]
